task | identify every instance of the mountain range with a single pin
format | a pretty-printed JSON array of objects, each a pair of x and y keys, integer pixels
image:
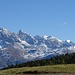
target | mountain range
[{"x": 20, "y": 47}]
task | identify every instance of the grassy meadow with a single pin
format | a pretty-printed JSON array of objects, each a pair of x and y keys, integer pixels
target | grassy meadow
[{"x": 68, "y": 69}]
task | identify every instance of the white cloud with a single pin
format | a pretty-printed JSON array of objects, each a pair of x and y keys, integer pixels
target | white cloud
[{"x": 62, "y": 24}]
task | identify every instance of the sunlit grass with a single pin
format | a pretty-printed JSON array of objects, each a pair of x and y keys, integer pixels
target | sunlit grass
[{"x": 40, "y": 70}]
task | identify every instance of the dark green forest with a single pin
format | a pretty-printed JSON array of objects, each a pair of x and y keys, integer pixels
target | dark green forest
[{"x": 61, "y": 59}]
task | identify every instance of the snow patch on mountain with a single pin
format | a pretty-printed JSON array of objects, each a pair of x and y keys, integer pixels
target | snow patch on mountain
[
  {"x": 52, "y": 38},
  {"x": 68, "y": 41},
  {"x": 45, "y": 37}
]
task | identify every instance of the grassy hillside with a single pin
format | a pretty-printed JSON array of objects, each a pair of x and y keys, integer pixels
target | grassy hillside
[{"x": 68, "y": 69}]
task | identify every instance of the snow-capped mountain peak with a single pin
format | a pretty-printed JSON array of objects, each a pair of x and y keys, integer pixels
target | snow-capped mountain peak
[
  {"x": 45, "y": 37},
  {"x": 26, "y": 37},
  {"x": 54, "y": 38},
  {"x": 3, "y": 29},
  {"x": 4, "y": 32},
  {"x": 68, "y": 41}
]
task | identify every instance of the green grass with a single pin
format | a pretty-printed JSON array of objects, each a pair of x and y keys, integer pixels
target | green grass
[{"x": 68, "y": 69}]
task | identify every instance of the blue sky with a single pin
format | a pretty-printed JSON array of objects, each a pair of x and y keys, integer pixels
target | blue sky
[{"x": 39, "y": 17}]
